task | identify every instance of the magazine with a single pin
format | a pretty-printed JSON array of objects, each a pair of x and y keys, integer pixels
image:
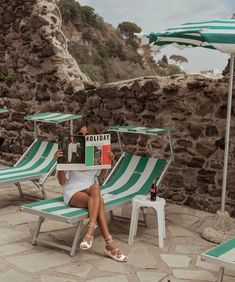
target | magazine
[{"x": 84, "y": 152}]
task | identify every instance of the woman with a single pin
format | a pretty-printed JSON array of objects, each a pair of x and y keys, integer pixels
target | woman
[{"x": 81, "y": 190}]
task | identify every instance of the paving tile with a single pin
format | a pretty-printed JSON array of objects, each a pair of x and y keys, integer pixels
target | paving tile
[
  {"x": 189, "y": 249},
  {"x": 112, "y": 266},
  {"x": 6, "y": 250},
  {"x": 49, "y": 225},
  {"x": 182, "y": 219},
  {"x": 150, "y": 276},
  {"x": 139, "y": 256},
  {"x": 18, "y": 218},
  {"x": 80, "y": 269},
  {"x": 112, "y": 278},
  {"x": 200, "y": 275},
  {"x": 179, "y": 231},
  {"x": 39, "y": 261},
  {"x": 10, "y": 234},
  {"x": 50, "y": 278},
  {"x": 13, "y": 276},
  {"x": 176, "y": 260}
]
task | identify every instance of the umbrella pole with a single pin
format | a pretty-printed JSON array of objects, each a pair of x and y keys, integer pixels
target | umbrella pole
[
  {"x": 229, "y": 106},
  {"x": 222, "y": 225}
]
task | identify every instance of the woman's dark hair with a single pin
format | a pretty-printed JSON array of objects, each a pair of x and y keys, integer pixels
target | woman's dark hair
[{"x": 93, "y": 123}]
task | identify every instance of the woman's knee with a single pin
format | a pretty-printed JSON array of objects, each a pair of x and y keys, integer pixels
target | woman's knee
[{"x": 95, "y": 190}]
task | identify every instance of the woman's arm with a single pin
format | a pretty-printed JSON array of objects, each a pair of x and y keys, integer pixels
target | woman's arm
[
  {"x": 60, "y": 174},
  {"x": 61, "y": 177}
]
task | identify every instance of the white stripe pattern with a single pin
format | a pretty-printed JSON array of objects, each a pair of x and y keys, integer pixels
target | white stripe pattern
[
  {"x": 141, "y": 181},
  {"x": 229, "y": 255},
  {"x": 123, "y": 179},
  {"x": 37, "y": 156}
]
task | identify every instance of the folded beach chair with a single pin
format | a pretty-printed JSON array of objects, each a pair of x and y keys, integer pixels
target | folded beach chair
[
  {"x": 132, "y": 175},
  {"x": 222, "y": 255},
  {"x": 36, "y": 164}
]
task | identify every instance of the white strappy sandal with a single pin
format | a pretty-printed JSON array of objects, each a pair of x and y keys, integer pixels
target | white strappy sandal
[
  {"x": 114, "y": 254},
  {"x": 88, "y": 239}
]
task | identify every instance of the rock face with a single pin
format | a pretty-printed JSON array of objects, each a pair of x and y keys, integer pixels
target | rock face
[
  {"x": 37, "y": 74},
  {"x": 36, "y": 67}
]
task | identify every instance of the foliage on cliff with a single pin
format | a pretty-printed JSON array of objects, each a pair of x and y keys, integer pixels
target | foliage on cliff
[{"x": 101, "y": 51}]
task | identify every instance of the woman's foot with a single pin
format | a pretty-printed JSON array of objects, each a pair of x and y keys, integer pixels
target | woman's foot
[
  {"x": 88, "y": 239},
  {"x": 112, "y": 251}
]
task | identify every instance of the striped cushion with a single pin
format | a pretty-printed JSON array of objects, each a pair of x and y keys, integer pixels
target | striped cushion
[
  {"x": 36, "y": 163},
  {"x": 134, "y": 176},
  {"x": 138, "y": 129},
  {"x": 52, "y": 117},
  {"x": 225, "y": 251}
]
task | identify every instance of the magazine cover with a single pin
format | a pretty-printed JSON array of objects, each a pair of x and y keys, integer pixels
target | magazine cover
[{"x": 84, "y": 152}]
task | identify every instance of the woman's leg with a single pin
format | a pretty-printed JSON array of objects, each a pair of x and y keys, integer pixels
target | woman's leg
[
  {"x": 102, "y": 223},
  {"x": 90, "y": 199}
]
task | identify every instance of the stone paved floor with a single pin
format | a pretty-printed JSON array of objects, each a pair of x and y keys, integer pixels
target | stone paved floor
[{"x": 179, "y": 259}]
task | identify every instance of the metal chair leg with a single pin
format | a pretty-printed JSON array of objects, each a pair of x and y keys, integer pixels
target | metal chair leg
[
  {"x": 221, "y": 274},
  {"x": 37, "y": 230},
  {"x": 76, "y": 238}
]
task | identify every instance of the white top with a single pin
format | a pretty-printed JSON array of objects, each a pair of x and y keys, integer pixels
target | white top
[{"x": 78, "y": 180}]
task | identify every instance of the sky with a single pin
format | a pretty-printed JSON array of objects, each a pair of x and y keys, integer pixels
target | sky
[{"x": 158, "y": 15}]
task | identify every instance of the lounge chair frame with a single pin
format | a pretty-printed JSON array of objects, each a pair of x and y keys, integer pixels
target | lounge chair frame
[
  {"x": 142, "y": 130},
  {"x": 38, "y": 181},
  {"x": 77, "y": 220},
  {"x": 211, "y": 257}
]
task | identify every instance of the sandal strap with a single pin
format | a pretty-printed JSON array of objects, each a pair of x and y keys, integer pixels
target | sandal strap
[
  {"x": 92, "y": 224},
  {"x": 108, "y": 240}
]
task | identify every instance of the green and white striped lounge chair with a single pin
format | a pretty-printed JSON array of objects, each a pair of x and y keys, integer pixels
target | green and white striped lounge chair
[
  {"x": 36, "y": 164},
  {"x": 2, "y": 110},
  {"x": 222, "y": 255},
  {"x": 133, "y": 175}
]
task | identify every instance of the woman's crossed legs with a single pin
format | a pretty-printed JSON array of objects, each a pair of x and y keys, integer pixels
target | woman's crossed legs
[{"x": 91, "y": 199}]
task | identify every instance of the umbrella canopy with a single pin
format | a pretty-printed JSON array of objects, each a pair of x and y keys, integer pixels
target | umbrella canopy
[{"x": 215, "y": 34}]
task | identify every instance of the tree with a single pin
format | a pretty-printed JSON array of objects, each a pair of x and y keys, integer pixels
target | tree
[
  {"x": 179, "y": 59},
  {"x": 128, "y": 29},
  {"x": 70, "y": 9},
  {"x": 89, "y": 14}
]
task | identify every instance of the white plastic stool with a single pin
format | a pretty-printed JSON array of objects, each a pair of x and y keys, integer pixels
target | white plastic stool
[{"x": 158, "y": 205}]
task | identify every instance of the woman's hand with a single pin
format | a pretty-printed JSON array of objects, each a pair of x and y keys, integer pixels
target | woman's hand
[
  {"x": 111, "y": 155},
  {"x": 58, "y": 154}
]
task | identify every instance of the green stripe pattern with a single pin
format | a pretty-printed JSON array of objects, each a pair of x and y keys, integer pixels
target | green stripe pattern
[
  {"x": 52, "y": 117},
  {"x": 222, "y": 249},
  {"x": 132, "y": 177},
  {"x": 139, "y": 130},
  {"x": 36, "y": 163},
  {"x": 3, "y": 111},
  {"x": 214, "y": 34}
]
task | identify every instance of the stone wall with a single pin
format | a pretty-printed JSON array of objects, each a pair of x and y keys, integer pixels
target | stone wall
[
  {"x": 36, "y": 70},
  {"x": 37, "y": 74}
]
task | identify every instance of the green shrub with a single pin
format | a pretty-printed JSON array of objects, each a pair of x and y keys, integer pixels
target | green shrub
[
  {"x": 173, "y": 69},
  {"x": 89, "y": 15},
  {"x": 70, "y": 9},
  {"x": 96, "y": 73}
]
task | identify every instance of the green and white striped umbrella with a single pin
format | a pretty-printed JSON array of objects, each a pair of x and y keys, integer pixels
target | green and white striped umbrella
[{"x": 215, "y": 34}]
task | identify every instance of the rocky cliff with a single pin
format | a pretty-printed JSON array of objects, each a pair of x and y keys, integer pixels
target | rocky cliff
[{"x": 38, "y": 74}]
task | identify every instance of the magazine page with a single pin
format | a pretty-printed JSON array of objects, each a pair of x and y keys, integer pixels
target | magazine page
[
  {"x": 84, "y": 152},
  {"x": 97, "y": 151}
]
